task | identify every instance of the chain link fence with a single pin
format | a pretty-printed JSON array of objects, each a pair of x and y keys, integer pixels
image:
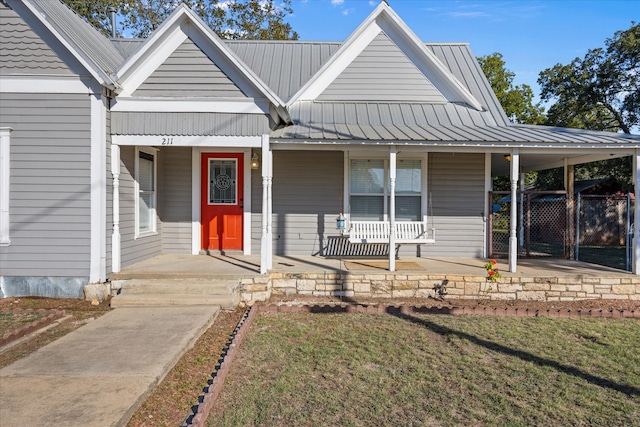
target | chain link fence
[
  {"x": 542, "y": 226},
  {"x": 604, "y": 230},
  {"x": 603, "y": 227}
]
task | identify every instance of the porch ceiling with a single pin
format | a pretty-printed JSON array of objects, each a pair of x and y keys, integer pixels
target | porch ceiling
[{"x": 537, "y": 161}]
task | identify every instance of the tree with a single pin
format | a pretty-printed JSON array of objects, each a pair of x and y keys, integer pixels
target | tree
[
  {"x": 95, "y": 12},
  {"x": 230, "y": 19},
  {"x": 600, "y": 91},
  {"x": 517, "y": 101}
]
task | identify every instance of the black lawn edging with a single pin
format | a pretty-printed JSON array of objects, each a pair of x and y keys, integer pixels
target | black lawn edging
[{"x": 200, "y": 411}]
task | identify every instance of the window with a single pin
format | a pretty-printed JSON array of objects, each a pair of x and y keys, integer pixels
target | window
[
  {"x": 370, "y": 196},
  {"x": 146, "y": 189},
  {"x": 4, "y": 186}
]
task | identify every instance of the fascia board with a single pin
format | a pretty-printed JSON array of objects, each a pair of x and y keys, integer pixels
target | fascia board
[
  {"x": 426, "y": 61},
  {"x": 351, "y": 47},
  {"x": 184, "y": 23},
  {"x": 149, "y": 58},
  {"x": 231, "y": 57},
  {"x": 383, "y": 18},
  {"x": 94, "y": 71},
  {"x": 332, "y": 69},
  {"x": 150, "y": 45}
]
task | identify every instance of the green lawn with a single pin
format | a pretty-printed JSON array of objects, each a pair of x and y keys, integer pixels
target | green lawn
[{"x": 414, "y": 370}]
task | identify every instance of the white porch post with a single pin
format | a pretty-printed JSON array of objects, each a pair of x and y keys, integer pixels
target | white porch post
[
  {"x": 266, "y": 244},
  {"x": 636, "y": 213},
  {"x": 392, "y": 208},
  {"x": 513, "y": 218},
  {"x": 521, "y": 228},
  {"x": 115, "y": 233}
]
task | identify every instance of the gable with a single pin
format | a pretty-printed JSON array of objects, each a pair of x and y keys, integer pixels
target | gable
[
  {"x": 382, "y": 72},
  {"x": 188, "y": 72},
  {"x": 368, "y": 34},
  {"x": 23, "y": 52}
]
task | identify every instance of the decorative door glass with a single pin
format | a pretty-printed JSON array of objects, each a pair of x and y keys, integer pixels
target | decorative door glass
[{"x": 222, "y": 181}]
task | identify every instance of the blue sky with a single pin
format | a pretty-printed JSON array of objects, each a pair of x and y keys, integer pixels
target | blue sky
[{"x": 532, "y": 35}]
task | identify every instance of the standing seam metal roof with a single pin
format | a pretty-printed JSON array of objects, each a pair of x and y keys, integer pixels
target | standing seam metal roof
[{"x": 88, "y": 41}]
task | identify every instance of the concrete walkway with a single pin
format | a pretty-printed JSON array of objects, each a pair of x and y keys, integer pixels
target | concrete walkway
[{"x": 99, "y": 374}]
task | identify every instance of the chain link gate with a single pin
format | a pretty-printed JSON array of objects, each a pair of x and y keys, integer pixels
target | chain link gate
[
  {"x": 542, "y": 224},
  {"x": 604, "y": 230}
]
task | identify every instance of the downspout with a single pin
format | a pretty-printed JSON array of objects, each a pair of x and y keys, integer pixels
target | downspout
[
  {"x": 513, "y": 238},
  {"x": 392, "y": 208}
]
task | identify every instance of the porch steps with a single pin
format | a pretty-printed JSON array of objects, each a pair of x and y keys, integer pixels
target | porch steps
[{"x": 177, "y": 291}]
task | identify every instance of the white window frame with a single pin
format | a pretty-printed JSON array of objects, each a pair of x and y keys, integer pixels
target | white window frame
[
  {"x": 5, "y": 176},
  {"x": 154, "y": 197},
  {"x": 423, "y": 157}
]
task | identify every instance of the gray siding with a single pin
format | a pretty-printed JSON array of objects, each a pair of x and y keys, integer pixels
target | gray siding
[
  {"x": 174, "y": 199},
  {"x": 382, "y": 72},
  {"x": 133, "y": 250},
  {"x": 307, "y": 188},
  {"x": 220, "y": 124},
  {"x": 188, "y": 72},
  {"x": 306, "y": 201},
  {"x": 456, "y": 182},
  {"x": 50, "y": 207},
  {"x": 22, "y": 51}
]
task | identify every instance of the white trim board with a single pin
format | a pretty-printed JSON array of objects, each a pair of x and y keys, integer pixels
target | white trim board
[
  {"x": 9, "y": 84},
  {"x": 196, "y": 181},
  {"x": 5, "y": 166},
  {"x": 214, "y": 142},
  {"x": 173, "y": 105},
  {"x": 97, "y": 271}
]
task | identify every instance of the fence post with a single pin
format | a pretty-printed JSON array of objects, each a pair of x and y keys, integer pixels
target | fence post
[
  {"x": 578, "y": 209},
  {"x": 628, "y": 237}
]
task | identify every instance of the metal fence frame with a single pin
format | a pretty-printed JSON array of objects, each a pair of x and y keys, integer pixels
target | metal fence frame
[
  {"x": 526, "y": 223},
  {"x": 621, "y": 201}
]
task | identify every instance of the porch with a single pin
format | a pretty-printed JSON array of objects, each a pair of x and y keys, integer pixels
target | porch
[{"x": 535, "y": 279}]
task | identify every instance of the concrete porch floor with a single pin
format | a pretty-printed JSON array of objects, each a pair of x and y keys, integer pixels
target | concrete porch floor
[{"x": 238, "y": 265}]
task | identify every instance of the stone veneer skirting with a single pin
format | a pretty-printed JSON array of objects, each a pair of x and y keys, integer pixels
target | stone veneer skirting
[{"x": 408, "y": 285}]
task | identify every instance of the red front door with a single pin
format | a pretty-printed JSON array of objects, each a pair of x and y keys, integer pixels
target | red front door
[{"x": 222, "y": 201}]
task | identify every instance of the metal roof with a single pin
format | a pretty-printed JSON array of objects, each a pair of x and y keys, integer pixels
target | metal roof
[
  {"x": 127, "y": 47},
  {"x": 82, "y": 36},
  {"x": 284, "y": 65},
  {"x": 417, "y": 124}
]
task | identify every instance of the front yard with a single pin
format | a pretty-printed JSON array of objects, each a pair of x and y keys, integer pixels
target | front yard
[{"x": 414, "y": 369}]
